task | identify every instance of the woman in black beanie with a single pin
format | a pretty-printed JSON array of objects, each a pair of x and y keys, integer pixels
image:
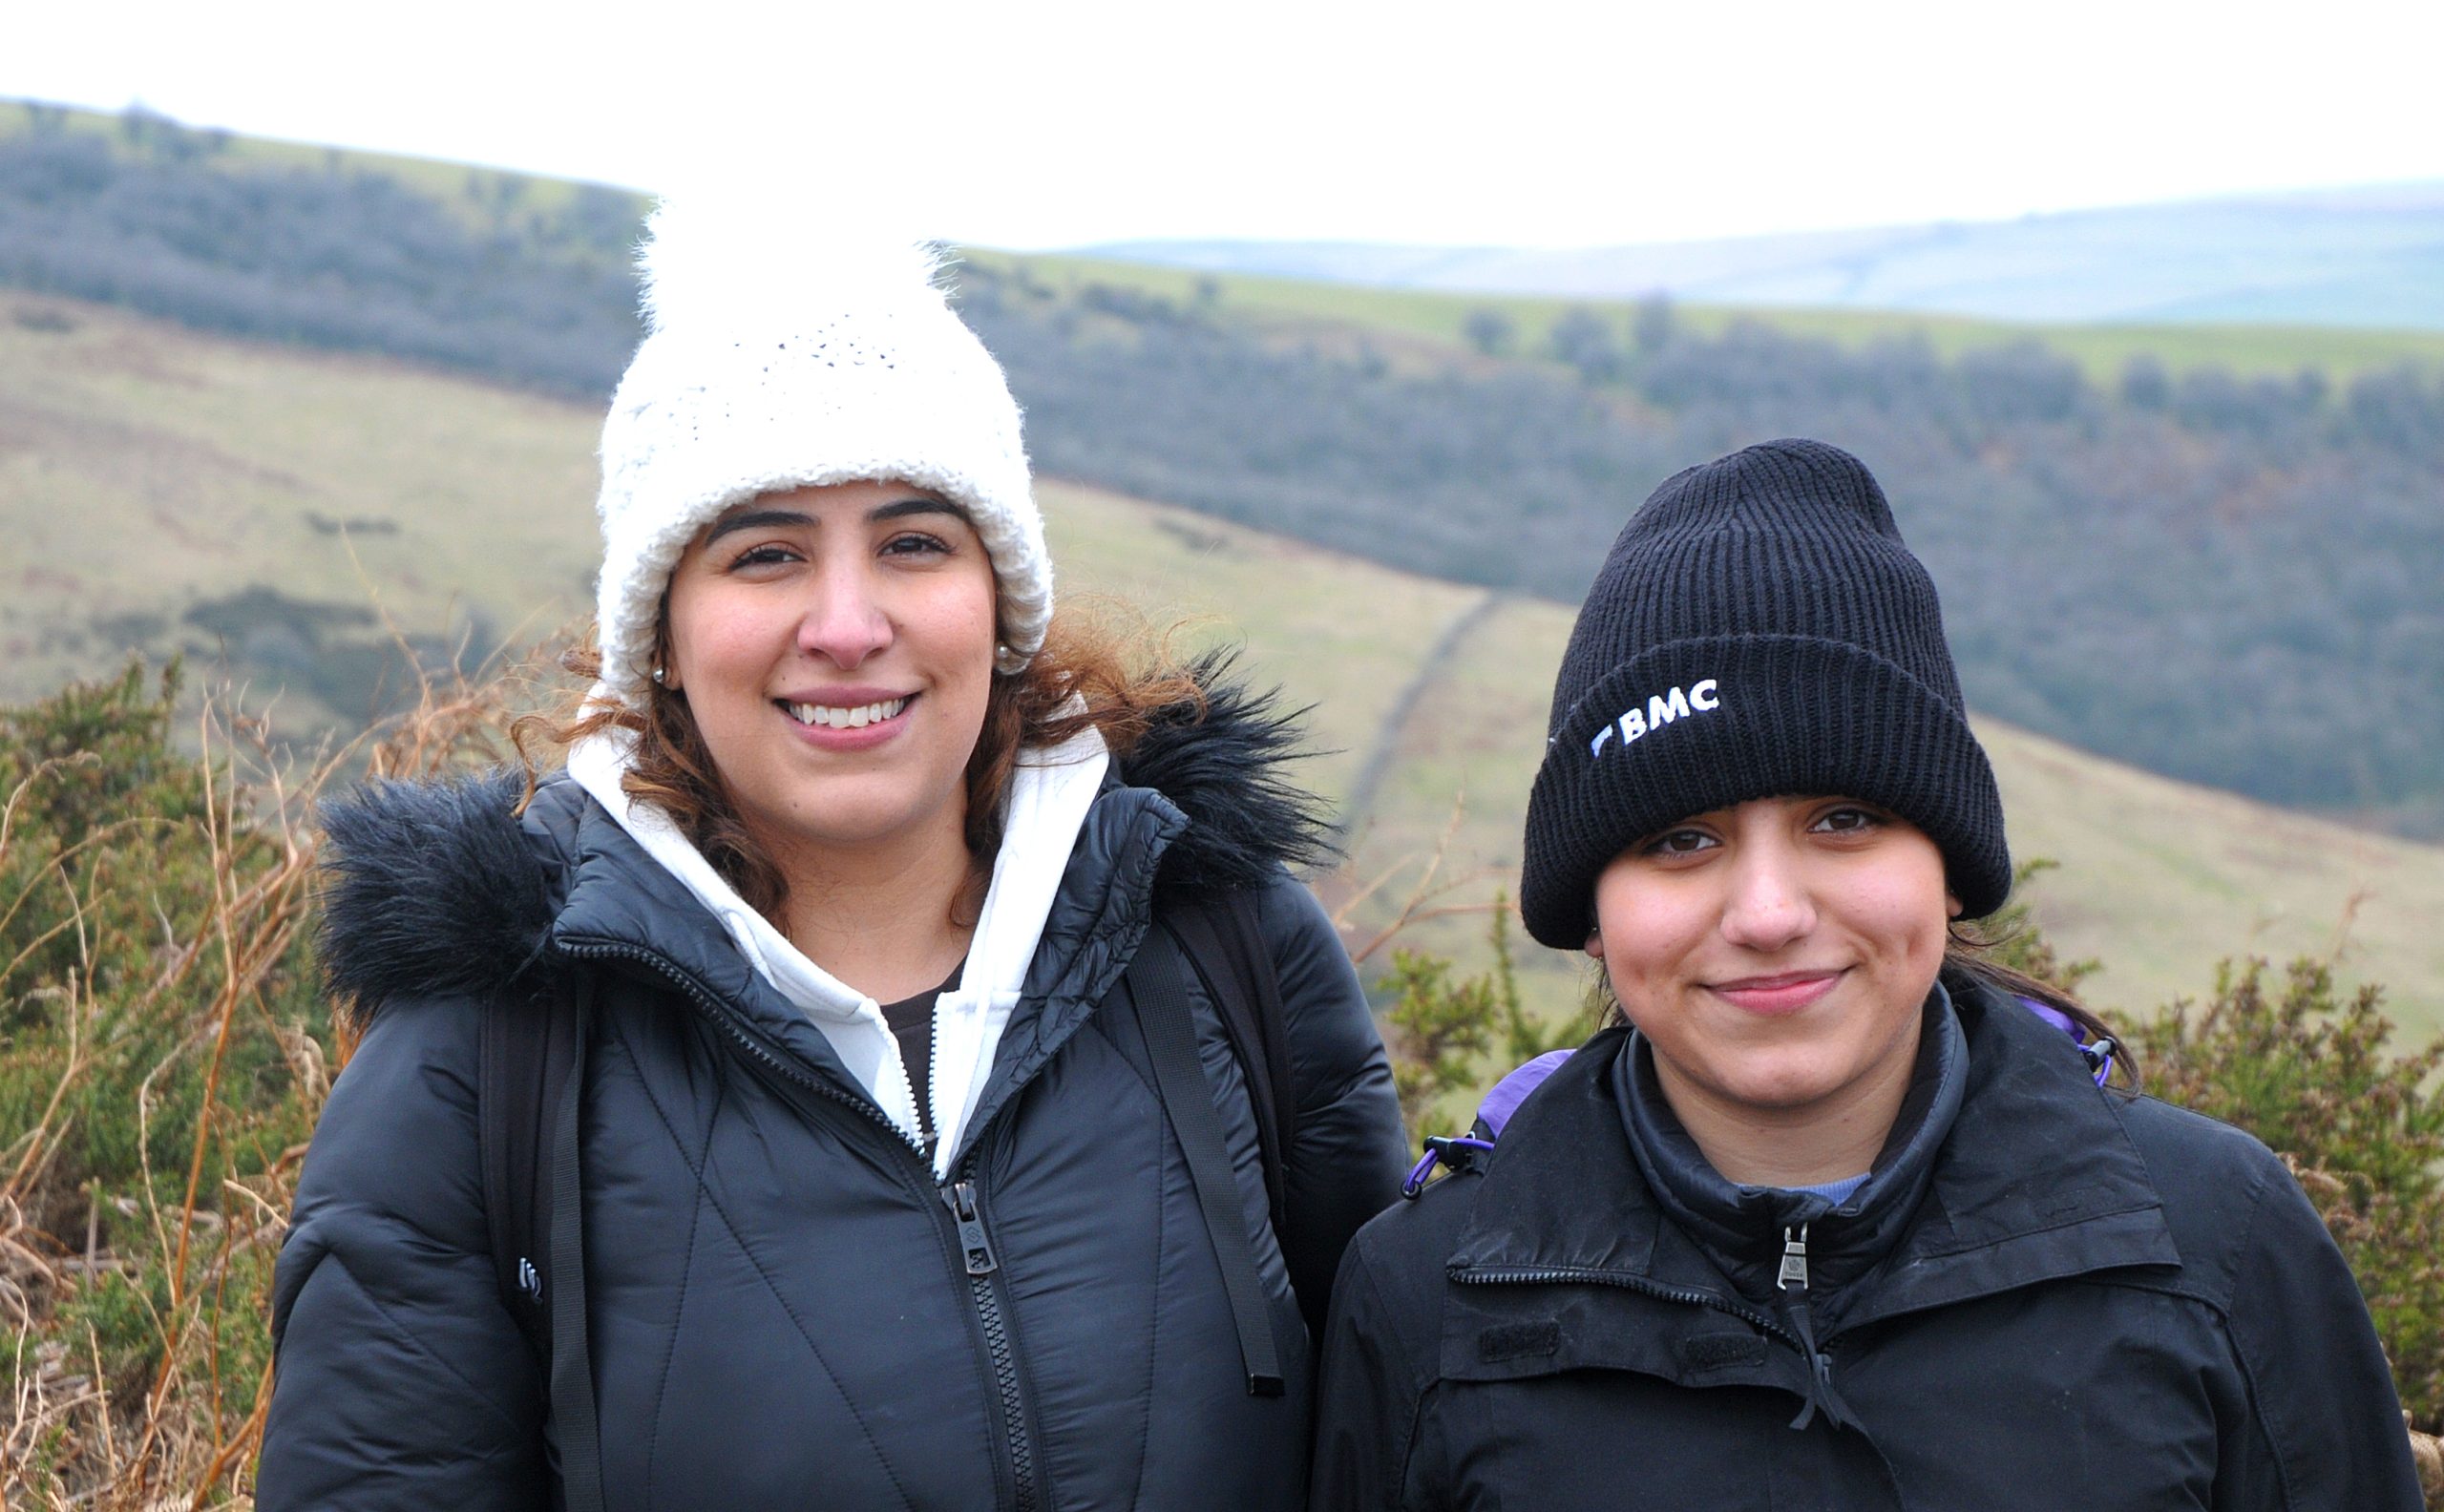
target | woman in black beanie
[{"x": 1839, "y": 1216}]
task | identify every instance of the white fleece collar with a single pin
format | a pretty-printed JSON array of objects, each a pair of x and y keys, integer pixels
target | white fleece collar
[{"x": 1049, "y": 795}]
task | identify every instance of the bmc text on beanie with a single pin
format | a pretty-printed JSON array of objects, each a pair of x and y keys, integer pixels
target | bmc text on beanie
[
  {"x": 1759, "y": 630},
  {"x": 780, "y": 357}
]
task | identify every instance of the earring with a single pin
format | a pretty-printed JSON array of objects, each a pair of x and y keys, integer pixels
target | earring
[
  {"x": 661, "y": 674},
  {"x": 1007, "y": 661}
]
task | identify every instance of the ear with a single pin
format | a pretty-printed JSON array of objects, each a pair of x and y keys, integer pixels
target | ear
[
  {"x": 668, "y": 681},
  {"x": 1596, "y": 943},
  {"x": 1952, "y": 905}
]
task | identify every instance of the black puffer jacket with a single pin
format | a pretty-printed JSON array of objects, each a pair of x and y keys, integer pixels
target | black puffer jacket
[
  {"x": 780, "y": 1316},
  {"x": 2048, "y": 1296}
]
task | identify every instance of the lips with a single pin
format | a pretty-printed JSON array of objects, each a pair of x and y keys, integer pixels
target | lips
[
  {"x": 848, "y": 719},
  {"x": 1781, "y": 993}
]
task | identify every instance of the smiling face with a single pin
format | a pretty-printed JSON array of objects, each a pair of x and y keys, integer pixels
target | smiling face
[
  {"x": 836, "y": 647},
  {"x": 1775, "y": 954}
]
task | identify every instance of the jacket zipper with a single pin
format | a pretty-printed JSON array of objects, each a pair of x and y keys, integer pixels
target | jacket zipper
[
  {"x": 958, "y": 1201},
  {"x": 1792, "y": 1280},
  {"x": 977, "y": 1246},
  {"x": 1765, "y": 1322}
]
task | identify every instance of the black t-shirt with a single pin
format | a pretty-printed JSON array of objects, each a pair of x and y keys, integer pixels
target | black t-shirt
[{"x": 912, "y": 1024}]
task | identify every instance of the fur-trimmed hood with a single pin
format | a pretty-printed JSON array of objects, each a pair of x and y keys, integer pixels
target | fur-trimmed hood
[{"x": 443, "y": 888}]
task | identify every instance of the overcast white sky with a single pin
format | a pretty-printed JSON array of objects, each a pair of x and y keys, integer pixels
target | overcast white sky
[{"x": 1504, "y": 121}]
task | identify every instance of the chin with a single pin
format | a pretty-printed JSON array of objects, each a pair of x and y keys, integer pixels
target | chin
[
  {"x": 851, "y": 815},
  {"x": 1779, "y": 1087}
]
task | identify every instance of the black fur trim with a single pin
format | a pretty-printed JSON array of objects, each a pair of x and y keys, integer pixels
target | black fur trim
[
  {"x": 433, "y": 888},
  {"x": 1223, "y": 766}
]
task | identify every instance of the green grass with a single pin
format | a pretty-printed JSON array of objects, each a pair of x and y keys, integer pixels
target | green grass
[
  {"x": 144, "y": 468},
  {"x": 2101, "y": 349}
]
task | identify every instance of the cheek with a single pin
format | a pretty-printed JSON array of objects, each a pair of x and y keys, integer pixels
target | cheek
[
  {"x": 1904, "y": 912},
  {"x": 719, "y": 658},
  {"x": 962, "y": 629},
  {"x": 1645, "y": 934},
  {"x": 705, "y": 630}
]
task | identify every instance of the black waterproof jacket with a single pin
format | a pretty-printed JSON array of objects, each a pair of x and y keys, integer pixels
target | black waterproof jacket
[
  {"x": 2060, "y": 1298},
  {"x": 780, "y": 1311}
]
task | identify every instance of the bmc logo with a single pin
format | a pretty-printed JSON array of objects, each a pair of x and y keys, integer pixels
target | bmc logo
[{"x": 1698, "y": 698}]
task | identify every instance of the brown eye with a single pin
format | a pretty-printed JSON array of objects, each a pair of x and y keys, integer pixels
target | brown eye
[
  {"x": 1676, "y": 842},
  {"x": 765, "y": 555}
]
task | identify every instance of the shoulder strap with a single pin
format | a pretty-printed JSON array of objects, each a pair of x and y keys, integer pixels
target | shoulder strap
[
  {"x": 521, "y": 1070},
  {"x": 574, "y": 1419},
  {"x": 1161, "y": 997},
  {"x": 1464, "y": 1152},
  {"x": 529, "y": 1068},
  {"x": 1224, "y": 941}
]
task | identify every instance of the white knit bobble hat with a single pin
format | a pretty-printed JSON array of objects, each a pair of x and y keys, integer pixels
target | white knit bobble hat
[{"x": 778, "y": 358}]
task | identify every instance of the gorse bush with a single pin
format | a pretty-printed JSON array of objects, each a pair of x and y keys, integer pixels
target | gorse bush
[
  {"x": 1438, "y": 1027},
  {"x": 1441, "y": 1028},
  {"x": 162, "y": 1056},
  {"x": 2307, "y": 1068}
]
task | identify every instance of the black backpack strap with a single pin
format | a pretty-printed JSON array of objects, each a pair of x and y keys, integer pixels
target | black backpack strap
[
  {"x": 532, "y": 1056},
  {"x": 518, "y": 1082},
  {"x": 1162, "y": 1014},
  {"x": 1224, "y": 941},
  {"x": 572, "y": 1375}
]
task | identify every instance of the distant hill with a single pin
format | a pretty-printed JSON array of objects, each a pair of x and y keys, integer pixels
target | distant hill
[
  {"x": 2155, "y": 545},
  {"x": 284, "y": 515},
  {"x": 2369, "y": 257}
]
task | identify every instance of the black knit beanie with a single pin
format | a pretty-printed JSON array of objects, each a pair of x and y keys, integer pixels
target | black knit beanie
[{"x": 1759, "y": 630}]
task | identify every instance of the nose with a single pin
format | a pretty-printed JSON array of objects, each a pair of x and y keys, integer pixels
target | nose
[
  {"x": 845, "y": 621},
  {"x": 1770, "y": 904}
]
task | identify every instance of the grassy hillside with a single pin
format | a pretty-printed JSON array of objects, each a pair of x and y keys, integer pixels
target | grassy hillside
[
  {"x": 484, "y": 194},
  {"x": 150, "y": 477},
  {"x": 2100, "y": 347}
]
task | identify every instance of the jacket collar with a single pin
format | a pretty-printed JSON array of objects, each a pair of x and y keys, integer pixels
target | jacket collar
[
  {"x": 1050, "y": 792},
  {"x": 622, "y": 904},
  {"x": 1738, "y": 1226},
  {"x": 2034, "y": 1181}
]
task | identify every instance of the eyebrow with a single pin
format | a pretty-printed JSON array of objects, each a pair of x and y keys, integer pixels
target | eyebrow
[
  {"x": 761, "y": 519},
  {"x": 918, "y": 506}
]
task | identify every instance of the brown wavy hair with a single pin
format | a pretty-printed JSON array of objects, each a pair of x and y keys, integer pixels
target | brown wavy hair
[{"x": 1102, "y": 666}]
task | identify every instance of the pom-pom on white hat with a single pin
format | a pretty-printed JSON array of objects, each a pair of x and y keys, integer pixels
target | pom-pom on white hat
[{"x": 780, "y": 356}]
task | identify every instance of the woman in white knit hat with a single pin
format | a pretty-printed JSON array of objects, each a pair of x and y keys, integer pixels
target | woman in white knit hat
[{"x": 893, "y": 1067}]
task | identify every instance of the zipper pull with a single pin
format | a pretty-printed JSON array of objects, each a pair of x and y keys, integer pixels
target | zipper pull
[
  {"x": 959, "y": 1197},
  {"x": 1820, "y": 1396}
]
